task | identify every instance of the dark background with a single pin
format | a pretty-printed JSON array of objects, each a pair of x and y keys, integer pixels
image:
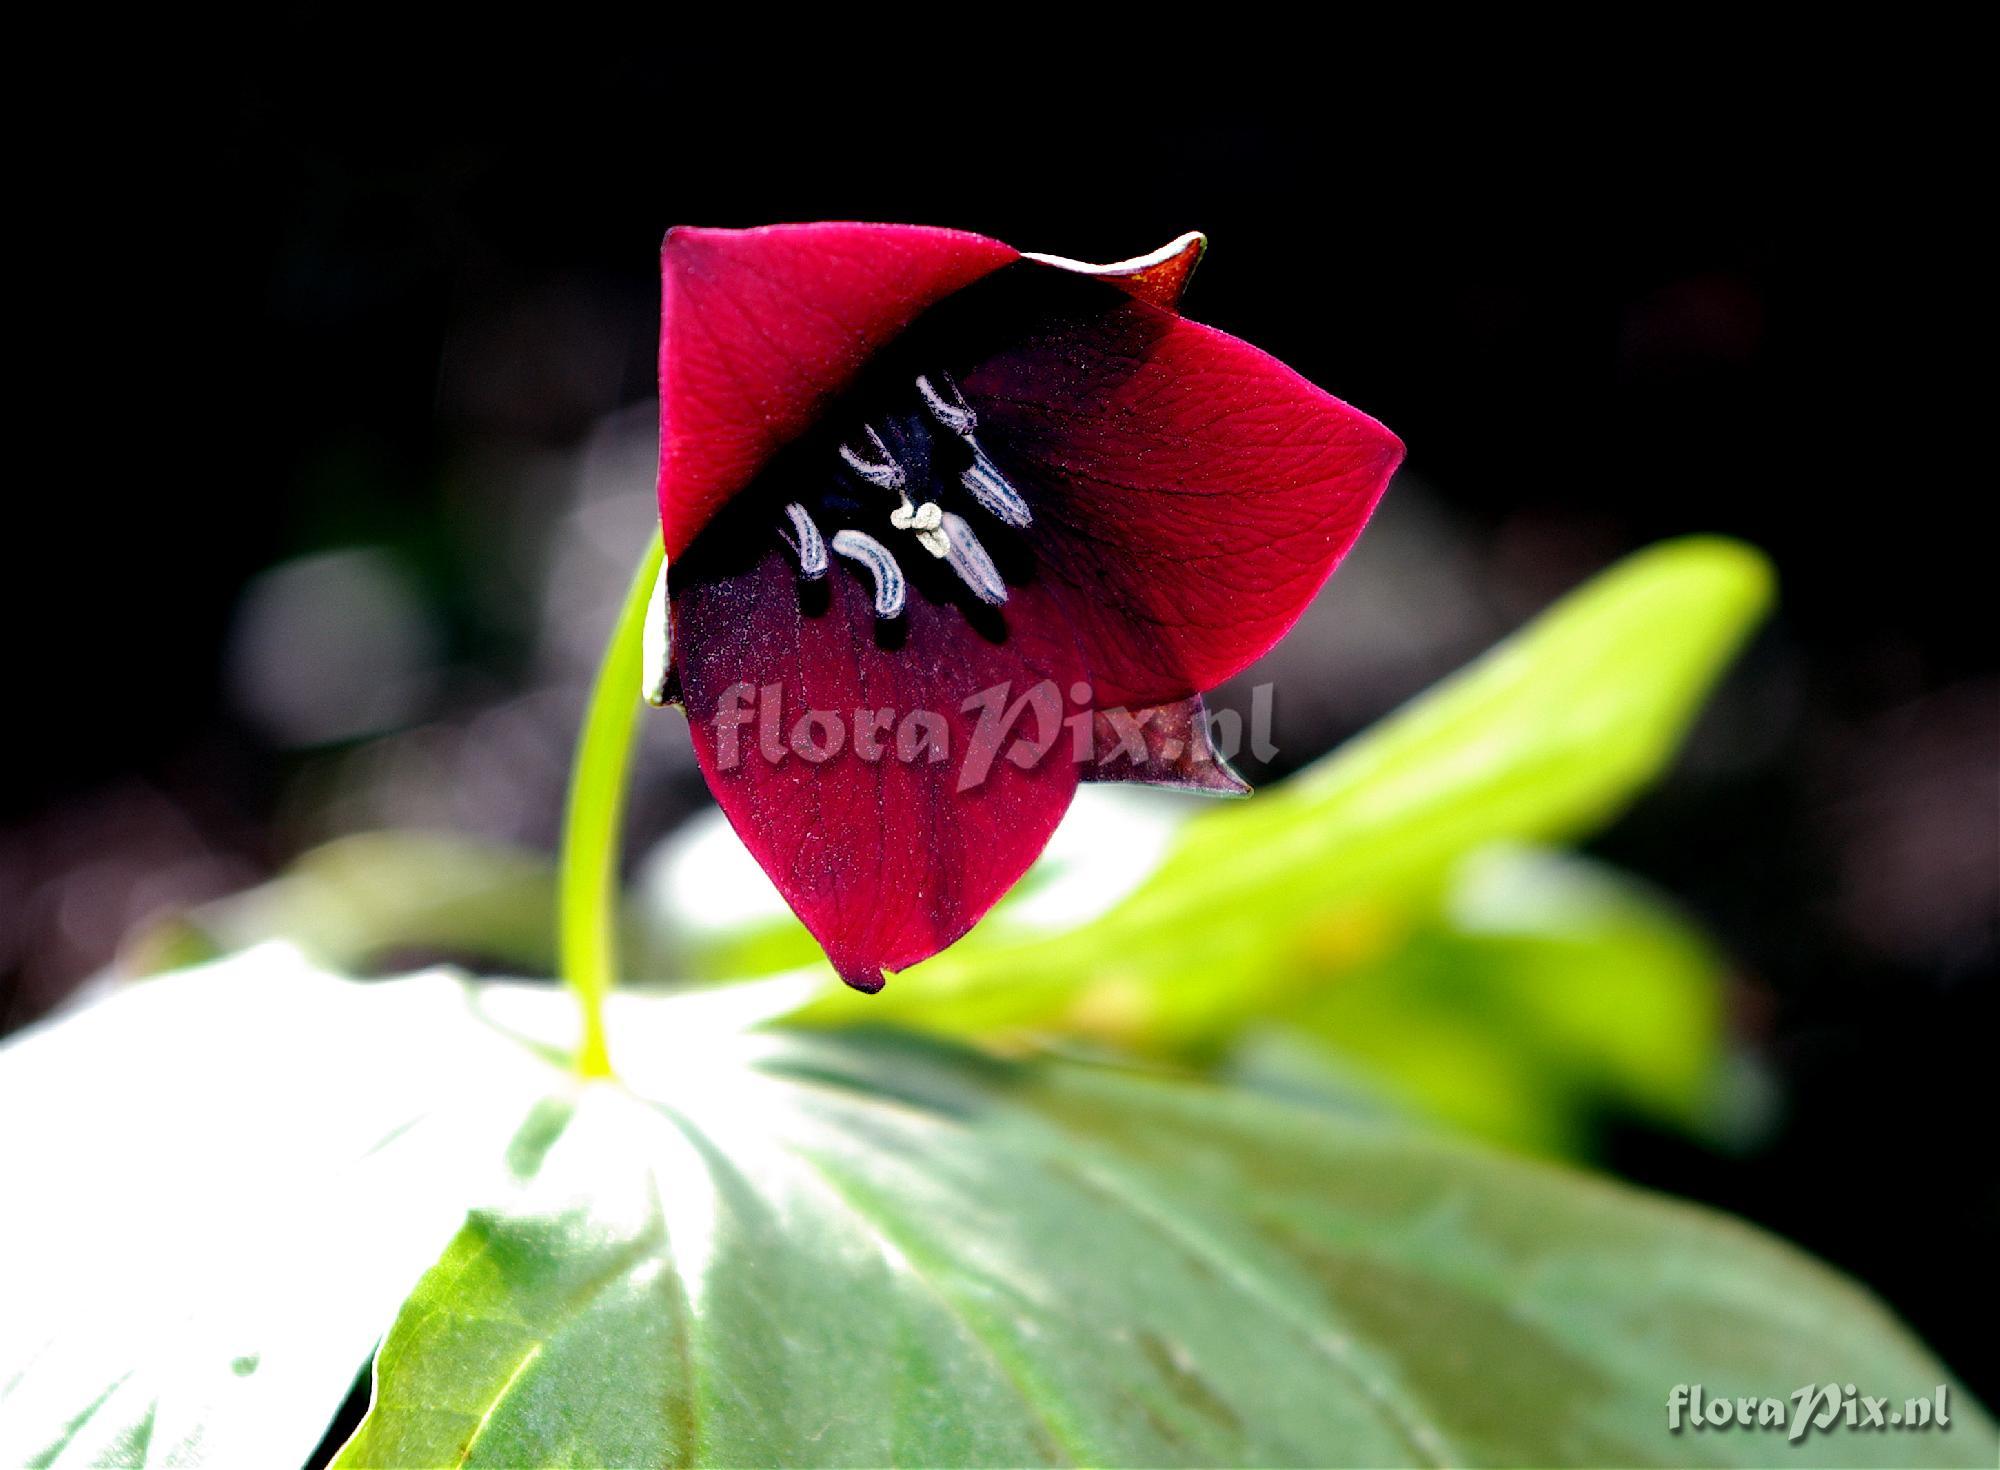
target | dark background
[{"x": 337, "y": 281}]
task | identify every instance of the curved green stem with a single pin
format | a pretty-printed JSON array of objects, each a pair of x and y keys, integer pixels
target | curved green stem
[{"x": 593, "y": 823}]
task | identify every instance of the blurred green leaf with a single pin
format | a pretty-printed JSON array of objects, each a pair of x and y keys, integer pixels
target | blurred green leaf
[
  {"x": 1542, "y": 740},
  {"x": 1538, "y": 992},
  {"x": 355, "y": 902},
  {"x": 836, "y": 1249}
]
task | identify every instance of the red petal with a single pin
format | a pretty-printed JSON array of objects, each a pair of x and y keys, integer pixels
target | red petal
[
  {"x": 1191, "y": 493},
  {"x": 760, "y": 328},
  {"x": 1165, "y": 745},
  {"x": 885, "y": 861}
]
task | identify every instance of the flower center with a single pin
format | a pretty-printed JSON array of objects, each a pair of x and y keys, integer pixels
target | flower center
[{"x": 931, "y": 448}]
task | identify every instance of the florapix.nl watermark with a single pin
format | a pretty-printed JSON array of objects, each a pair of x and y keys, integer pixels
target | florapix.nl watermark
[
  {"x": 1820, "y": 1408},
  {"x": 1041, "y": 722}
]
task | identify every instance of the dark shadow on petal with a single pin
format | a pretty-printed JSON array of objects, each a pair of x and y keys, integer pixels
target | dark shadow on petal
[
  {"x": 985, "y": 620},
  {"x": 891, "y": 634}
]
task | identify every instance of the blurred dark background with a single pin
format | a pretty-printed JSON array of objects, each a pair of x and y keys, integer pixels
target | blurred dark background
[{"x": 343, "y": 448}]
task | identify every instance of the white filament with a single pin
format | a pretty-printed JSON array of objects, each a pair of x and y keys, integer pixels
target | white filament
[
  {"x": 969, "y": 559},
  {"x": 953, "y": 412},
  {"x": 858, "y": 546},
  {"x": 990, "y": 488},
  {"x": 809, "y": 546},
  {"x": 882, "y": 472}
]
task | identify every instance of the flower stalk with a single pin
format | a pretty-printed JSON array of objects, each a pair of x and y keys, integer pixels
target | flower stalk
[{"x": 587, "y": 891}]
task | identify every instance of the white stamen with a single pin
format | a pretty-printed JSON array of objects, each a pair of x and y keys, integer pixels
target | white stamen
[
  {"x": 882, "y": 472},
  {"x": 990, "y": 488},
  {"x": 656, "y": 639},
  {"x": 953, "y": 412},
  {"x": 969, "y": 559},
  {"x": 860, "y": 547},
  {"x": 808, "y": 546}
]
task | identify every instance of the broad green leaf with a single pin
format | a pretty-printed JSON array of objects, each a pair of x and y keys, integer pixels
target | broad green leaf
[
  {"x": 863, "y": 1250},
  {"x": 838, "y": 1248},
  {"x": 1542, "y": 740}
]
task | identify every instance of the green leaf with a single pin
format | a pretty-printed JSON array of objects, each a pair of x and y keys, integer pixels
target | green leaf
[
  {"x": 1543, "y": 740},
  {"x": 832, "y": 1248},
  {"x": 1539, "y": 992},
  {"x": 871, "y": 1250},
  {"x": 358, "y": 900}
]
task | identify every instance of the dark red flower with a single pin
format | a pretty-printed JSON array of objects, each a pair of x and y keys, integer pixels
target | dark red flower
[{"x": 951, "y": 528}]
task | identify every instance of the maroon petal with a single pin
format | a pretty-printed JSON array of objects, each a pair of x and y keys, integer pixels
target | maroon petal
[
  {"x": 1190, "y": 492},
  {"x": 886, "y": 860},
  {"x": 760, "y": 329},
  {"x": 1163, "y": 745}
]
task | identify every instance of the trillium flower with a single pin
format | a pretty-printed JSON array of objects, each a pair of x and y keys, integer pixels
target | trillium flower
[{"x": 950, "y": 528}]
